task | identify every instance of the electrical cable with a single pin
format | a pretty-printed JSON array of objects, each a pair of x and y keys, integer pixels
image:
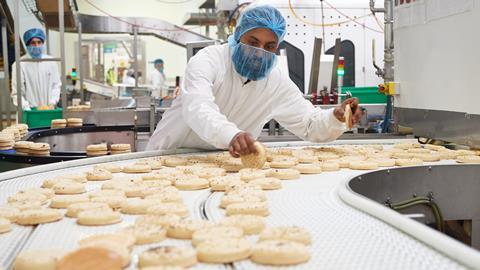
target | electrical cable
[
  {"x": 134, "y": 24},
  {"x": 378, "y": 22},
  {"x": 294, "y": 13},
  {"x": 353, "y": 19},
  {"x": 437, "y": 214}
]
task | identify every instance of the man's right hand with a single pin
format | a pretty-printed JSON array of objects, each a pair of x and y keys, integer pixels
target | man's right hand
[{"x": 242, "y": 144}]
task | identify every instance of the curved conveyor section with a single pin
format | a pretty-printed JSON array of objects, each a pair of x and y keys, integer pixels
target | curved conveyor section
[
  {"x": 344, "y": 237},
  {"x": 454, "y": 188}
]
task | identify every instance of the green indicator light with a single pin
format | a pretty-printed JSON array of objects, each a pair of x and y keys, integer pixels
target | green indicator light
[{"x": 340, "y": 72}]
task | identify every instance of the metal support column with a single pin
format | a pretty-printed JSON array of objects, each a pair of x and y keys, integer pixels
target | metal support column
[
  {"x": 61, "y": 26},
  {"x": 47, "y": 40},
  {"x": 315, "y": 68},
  {"x": 17, "y": 60},
  {"x": 389, "y": 47},
  {"x": 135, "y": 54},
  {"x": 7, "y": 112},
  {"x": 80, "y": 62}
]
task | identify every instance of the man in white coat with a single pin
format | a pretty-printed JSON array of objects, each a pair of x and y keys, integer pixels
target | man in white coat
[
  {"x": 230, "y": 91},
  {"x": 40, "y": 80},
  {"x": 157, "y": 79}
]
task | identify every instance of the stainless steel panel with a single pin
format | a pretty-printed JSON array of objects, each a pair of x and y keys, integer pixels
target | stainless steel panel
[
  {"x": 457, "y": 127},
  {"x": 87, "y": 116},
  {"x": 77, "y": 142},
  {"x": 159, "y": 28},
  {"x": 115, "y": 117},
  {"x": 200, "y": 18},
  {"x": 114, "y": 103},
  {"x": 455, "y": 190}
]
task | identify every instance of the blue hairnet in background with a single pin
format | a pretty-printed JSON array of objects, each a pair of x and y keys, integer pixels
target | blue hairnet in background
[
  {"x": 261, "y": 16},
  {"x": 33, "y": 33}
]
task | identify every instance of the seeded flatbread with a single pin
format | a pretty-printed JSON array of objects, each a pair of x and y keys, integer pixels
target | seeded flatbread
[{"x": 256, "y": 160}]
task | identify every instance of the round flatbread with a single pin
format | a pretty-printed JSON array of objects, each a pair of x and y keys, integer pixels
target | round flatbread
[
  {"x": 214, "y": 232},
  {"x": 168, "y": 256},
  {"x": 248, "y": 208},
  {"x": 91, "y": 258},
  {"x": 184, "y": 228},
  {"x": 98, "y": 217},
  {"x": 292, "y": 233},
  {"x": 251, "y": 224},
  {"x": 255, "y": 160},
  {"x": 279, "y": 252},
  {"x": 5, "y": 225},
  {"x": 38, "y": 259},
  {"x": 224, "y": 250},
  {"x": 38, "y": 216}
]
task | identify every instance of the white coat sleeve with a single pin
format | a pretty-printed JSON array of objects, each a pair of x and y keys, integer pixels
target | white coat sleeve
[
  {"x": 295, "y": 113},
  {"x": 56, "y": 85},
  {"x": 25, "y": 104},
  {"x": 199, "y": 111}
]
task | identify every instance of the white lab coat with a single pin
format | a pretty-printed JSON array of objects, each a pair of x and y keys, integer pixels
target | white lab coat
[
  {"x": 215, "y": 104},
  {"x": 40, "y": 83},
  {"x": 157, "y": 81},
  {"x": 130, "y": 81}
]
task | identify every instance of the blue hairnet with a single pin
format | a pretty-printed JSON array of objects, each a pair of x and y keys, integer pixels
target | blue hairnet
[
  {"x": 33, "y": 33},
  {"x": 158, "y": 61},
  {"x": 263, "y": 16}
]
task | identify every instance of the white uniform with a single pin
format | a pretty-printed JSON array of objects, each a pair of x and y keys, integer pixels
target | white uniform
[
  {"x": 157, "y": 81},
  {"x": 215, "y": 104},
  {"x": 40, "y": 83},
  {"x": 130, "y": 81}
]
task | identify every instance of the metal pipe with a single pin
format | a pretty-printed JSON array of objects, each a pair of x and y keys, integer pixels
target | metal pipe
[
  {"x": 375, "y": 10},
  {"x": 17, "y": 59},
  {"x": 80, "y": 62},
  {"x": 135, "y": 54},
  {"x": 6, "y": 77},
  {"x": 389, "y": 47},
  {"x": 379, "y": 71},
  {"x": 61, "y": 26},
  {"x": 41, "y": 60}
]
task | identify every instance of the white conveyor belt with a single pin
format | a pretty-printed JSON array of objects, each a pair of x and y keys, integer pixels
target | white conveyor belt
[{"x": 344, "y": 237}]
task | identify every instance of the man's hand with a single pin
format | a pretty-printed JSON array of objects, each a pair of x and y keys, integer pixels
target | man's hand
[
  {"x": 242, "y": 144},
  {"x": 356, "y": 110}
]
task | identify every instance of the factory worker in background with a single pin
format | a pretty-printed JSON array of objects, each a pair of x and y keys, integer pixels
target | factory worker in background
[
  {"x": 230, "y": 91},
  {"x": 157, "y": 79},
  {"x": 40, "y": 80},
  {"x": 129, "y": 79}
]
